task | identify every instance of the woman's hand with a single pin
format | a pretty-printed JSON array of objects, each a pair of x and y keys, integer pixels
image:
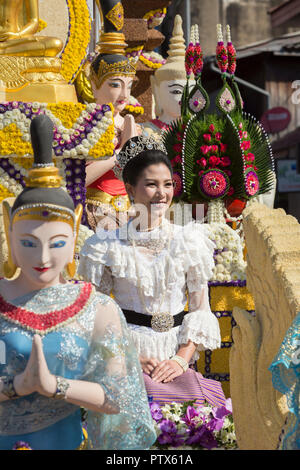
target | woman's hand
[
  {"x": 148, "y": 364},
  {"x": 36, "y": 376},
  {"x": 166, "y": 371}
]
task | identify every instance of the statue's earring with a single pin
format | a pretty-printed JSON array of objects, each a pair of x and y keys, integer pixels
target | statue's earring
[
  {"x": 9, "y": 267},
  {"x": 71, "y": 267}
]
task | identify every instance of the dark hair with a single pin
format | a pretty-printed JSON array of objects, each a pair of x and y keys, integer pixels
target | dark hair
[{"x": 138, "y": 164}]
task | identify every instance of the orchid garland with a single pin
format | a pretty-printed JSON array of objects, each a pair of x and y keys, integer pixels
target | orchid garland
[{"x": 186, "y": 426}]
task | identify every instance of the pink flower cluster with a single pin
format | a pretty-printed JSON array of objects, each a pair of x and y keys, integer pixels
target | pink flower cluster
[
  {"x": 194, "y": 59},
  {"x": 213, "y": 152}
]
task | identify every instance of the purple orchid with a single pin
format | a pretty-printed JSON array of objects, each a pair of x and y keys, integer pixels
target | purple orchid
[{"x": 156, "y": 412}]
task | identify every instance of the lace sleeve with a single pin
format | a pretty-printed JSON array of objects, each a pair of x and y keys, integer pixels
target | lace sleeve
[
  {"x": 200, "y": 325},
  {"x": 106, "y": 283},
  {"x": 113, "y": 363}
]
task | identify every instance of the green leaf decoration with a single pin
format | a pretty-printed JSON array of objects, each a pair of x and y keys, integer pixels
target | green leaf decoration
[
  {"x": 225, "y": 100},
  {"x": 198, "y": 100}
]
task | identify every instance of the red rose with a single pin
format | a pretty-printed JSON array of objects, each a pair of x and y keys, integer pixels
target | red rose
[
  {"x": 214, "y": 161},
  {"x": 202, "y": 162},
  {"x": 212, "y": 128},
  {"x": 207, "y": 137},
  {"x": 250, "y": 157},
  {"x": 179, "y": 136},
  {"x": 246, "y": 145},
  {"x": 223, "y": 147},
  {"x": 225, "y": 161},
  {"x": 178, "y": 159},
  {"x": 214, "y": 148},
  {"x": 218, "y": 136},
  {"x": 204, "y": 149},
  {"x": 177, "y": 148}
]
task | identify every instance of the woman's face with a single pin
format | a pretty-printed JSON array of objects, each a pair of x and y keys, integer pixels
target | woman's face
[
  {"x": 42, "y": 250},
  {"x": 115, "y": 90},
  {"x": 154, "y": 189}
]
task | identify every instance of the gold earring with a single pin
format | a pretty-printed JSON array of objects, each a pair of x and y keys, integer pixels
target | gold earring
[
  {"x": 71, "y": 267},
  {"x": 9, "y": 267}
]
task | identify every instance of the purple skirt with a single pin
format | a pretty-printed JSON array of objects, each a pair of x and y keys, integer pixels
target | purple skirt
[{"x": 191, "y": 385}]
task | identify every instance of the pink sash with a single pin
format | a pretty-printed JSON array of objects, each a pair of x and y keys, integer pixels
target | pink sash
[{"x": 191, "y": 385}]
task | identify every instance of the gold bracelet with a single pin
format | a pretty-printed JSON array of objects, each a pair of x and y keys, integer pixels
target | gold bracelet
[{"x": 182, "y": 362}]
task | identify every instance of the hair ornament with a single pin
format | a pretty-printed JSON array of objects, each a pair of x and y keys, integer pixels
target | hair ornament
[{"x": 133, "y": 148}]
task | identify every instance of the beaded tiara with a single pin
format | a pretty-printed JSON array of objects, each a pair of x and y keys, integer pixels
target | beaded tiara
[{"x": 133, "y": 148}]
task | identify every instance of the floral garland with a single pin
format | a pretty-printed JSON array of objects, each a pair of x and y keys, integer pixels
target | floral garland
[
  {"x": 76, "y": 47},
  {"x": 152, "y": 59},
  {"x": 155, "y": 17},
  {"x": 186, "y": 426},
  {"x": 90, "y": 136},
  {"x": 228, "y": 254}
]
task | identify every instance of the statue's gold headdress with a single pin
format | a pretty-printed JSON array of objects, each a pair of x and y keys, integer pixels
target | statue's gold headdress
[
  {"x": 43, "y": 198},
  {"x": 111, "y": 59}
]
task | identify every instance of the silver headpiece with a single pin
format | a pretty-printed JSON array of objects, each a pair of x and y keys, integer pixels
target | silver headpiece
[{"x": 133, "y": 149}]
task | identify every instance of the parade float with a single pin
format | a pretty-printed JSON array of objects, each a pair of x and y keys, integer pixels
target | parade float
[{"x": 55, "y": 82}]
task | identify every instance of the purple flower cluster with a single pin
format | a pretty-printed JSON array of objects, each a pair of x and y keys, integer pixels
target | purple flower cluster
[
  {"x": 200, "y": 427},
  {"x": 75, "y": 182}
]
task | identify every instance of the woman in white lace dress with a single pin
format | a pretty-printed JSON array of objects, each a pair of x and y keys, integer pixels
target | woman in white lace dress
[{"x": 152, "y": 266}]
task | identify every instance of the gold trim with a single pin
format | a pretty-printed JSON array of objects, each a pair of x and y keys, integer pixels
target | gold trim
[
  {"x": 112, "y": 43},
  {"x": 71, "y": 267},
  {"x": 116, "y": 16},
  {"x": 47, "y": 177},
  {"x": 97, "y": 198},
  {"x": 9, "y": 267}
]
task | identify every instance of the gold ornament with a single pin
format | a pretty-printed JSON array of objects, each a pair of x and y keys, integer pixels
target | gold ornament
[
  {"x": 71, "y": 267},
  {"x": 116, "y": 16},
  {"x": 47, "y": 177},
  {"x": 9, "y": 267}
]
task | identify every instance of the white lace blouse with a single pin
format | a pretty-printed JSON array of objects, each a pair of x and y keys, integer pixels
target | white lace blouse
[{"x": 148, "y": 281}]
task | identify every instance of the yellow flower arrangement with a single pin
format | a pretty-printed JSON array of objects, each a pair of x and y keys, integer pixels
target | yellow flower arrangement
[
  {"x": 65, "y": 113},
  {"x": 42, "y": 25},
  {"x": 152, "y": 13},
  {"x": 81, "y": 131},
  {"x": 75, "y": 49},
  {"x": 152, "y": 60},
  {"x": 227, "y": 297}
]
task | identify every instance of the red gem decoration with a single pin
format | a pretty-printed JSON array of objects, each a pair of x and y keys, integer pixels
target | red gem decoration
[{"x": 49, "y": 320}]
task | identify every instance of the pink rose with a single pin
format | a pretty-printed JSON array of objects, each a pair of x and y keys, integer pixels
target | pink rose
[
  {"x": 214, "y": 161},
  {"x": 207, "y": 137},
  {"x": 240, "y": 125},
  {"x": 212, "y": 128},
  {"x": 245, "y": 134},
  {"x": 218, "y": 136},
  {"x": 214, "y": 148},
  {"x": 204, "y": 149}
]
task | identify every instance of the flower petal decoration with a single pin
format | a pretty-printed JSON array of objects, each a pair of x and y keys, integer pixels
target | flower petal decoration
[
  {"x": 251, "y": 182},
  {"x": 213, "y": 184},
  {"x": 178, "y": 186}
]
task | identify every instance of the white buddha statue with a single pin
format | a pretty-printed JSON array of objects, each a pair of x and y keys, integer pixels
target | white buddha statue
[{"x": 168, "y": 83}]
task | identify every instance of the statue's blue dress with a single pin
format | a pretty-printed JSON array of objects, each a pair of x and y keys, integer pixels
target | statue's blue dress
[
  {"x": 74, "y": 350},
  {"x": 285, "y": 370}
]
